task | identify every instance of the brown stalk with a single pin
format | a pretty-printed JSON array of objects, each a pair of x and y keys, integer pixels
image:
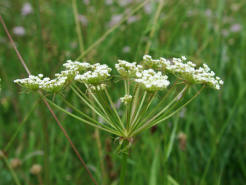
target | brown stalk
[{"x": 46, "y": 103}]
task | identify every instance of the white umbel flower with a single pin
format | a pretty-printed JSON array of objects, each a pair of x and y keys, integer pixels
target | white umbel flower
[
  {"x": 204, "y": 75},
  {"x": 32, "y": 82},
  {"x": 126, "y": 99},
  {"x": 127, "y": 69},
  {"x": 54, "y": 85},
  {"x": 97, "y": 75},
  {"x": 76, "y": 66},
  {"x": 189, "y": 72},
  {"x": 150, "y": 63},
  {"x": 152, "y": 81},
  {"x": 185, "y": 70},
  {"x": 46, "y": 84}
]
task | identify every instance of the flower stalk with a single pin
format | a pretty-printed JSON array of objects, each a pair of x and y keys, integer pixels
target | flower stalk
[{"x": 124, "y": 157}]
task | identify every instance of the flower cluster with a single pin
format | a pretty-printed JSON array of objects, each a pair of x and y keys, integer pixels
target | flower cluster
[
  {"x": 151, "y": 80},
  {"x": 141, "y": 85},
  {"x": 93, "y": 75},
  {"x": 126, "y": 99},
  {"x": 150, "y": 75},
  {"x": 76, "y": 66},
  {"x": 73, "y": 69},
  {"x": 185, "y": 70},
  {"x": 150, "y": 63},
  {"x": 127, "y": 69},
  {"x": 46, "y": 84},
  {"x": 96, "y": 75},
  {"x": 53, "y": 85},
  {"x": 32, "y": 82}
]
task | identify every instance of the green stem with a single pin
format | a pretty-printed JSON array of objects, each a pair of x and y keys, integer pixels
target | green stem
[
  {"x": 100, "y": 126},
  {"x": 114, "y": 109},
  {"x": 143, "y": 113},
  {"x": 167, "y": 106},
  {"x": 100, "y": 152},
  {"x": 123, "y": 168},
  {"x": 134, "y": 102},
  {"x": 154, "y": 26},
  {"x": 17, "y": 182},
  {"x": 139, "y": 108},
  {"x": 89, "y": 104},
  {"x": 151, "y": 124},
  {"x": 125, "y": 86},
  {"x": 78, "y": 30},
  {"x": 160, "y": 104}
]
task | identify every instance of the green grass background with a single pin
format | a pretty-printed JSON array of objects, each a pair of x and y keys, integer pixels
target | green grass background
[{"x": 214, "y": 123}]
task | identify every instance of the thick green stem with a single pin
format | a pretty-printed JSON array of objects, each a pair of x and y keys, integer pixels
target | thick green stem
[{"x": 123, "y": 168}]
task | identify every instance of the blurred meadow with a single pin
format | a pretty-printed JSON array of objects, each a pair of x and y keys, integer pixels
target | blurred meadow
[{"x": 204, "y": 144}]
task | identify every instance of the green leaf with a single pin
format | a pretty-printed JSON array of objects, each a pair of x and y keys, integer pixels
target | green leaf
[{"x": 171, "y": 180}]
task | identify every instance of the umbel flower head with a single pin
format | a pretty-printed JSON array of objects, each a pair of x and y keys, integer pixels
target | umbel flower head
[
  {"x": 165, "y": 80},
  {"x": 185, "y": 70},
  {"x": 151, "y": 80}
]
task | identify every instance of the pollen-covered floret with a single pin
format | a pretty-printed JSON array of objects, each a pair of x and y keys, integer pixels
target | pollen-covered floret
[
  {"x": 96, "y": 75},
  {"x": 152, "y": 81},
  {"x": 126, "y": 99},
  {"x": 127, "y": 69}
]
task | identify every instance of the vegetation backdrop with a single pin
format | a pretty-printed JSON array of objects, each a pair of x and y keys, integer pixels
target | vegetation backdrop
[{"x": 208, "y": 138}]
